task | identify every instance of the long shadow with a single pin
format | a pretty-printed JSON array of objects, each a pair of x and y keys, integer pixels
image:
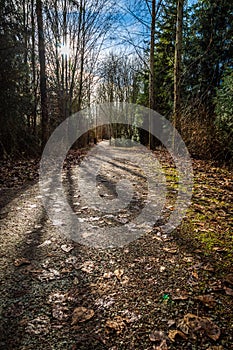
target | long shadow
[
  {"x": 125, "y": 168},
  {"x": 25, "y": 296},
  {"x": 9, "y": 194},
  {"x": 17, "y": 287}
]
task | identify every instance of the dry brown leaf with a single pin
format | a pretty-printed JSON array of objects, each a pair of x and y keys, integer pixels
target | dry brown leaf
[
  {"x": 108, "y": 274},
  {"x": 195, "y": 274},
  {"x": 228, "y": 291},
  {"x": 188, "y": 259},
  {"x": 180, "y": 295},
  {"x": 170, "y": 250},
  {"x": 22, "y": 261},
  {"x": 125, "y": 280},
  {"x": 208, "y": 267},
  {"x": 195, "y": 324},
  {"x": 170, "y": 323},
  {"x": 207, "y": 300},
  {"x": 81, "y": 314},
  {"x": 117, "y": 325},
  {"x": 174, "y": 334},
  {"x": 229, "y": 279},
  {"x": 119, "y": 273},
  {"x": 67, "y": 248},
  {"x": 88, "y": 266},
  {"x": 162, "y": 268}
]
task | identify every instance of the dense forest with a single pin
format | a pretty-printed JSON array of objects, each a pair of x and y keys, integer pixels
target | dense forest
[{"x": 58, "y": 57}]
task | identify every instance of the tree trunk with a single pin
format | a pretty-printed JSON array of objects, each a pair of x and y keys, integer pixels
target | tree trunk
[
  {"x": 177, "y": 65},
  {"x": 152, "y": 58},
  {"x": 34, "y": 85},
  {"x": 43, "y": 87},
  {"x": 152, "y": 72}
]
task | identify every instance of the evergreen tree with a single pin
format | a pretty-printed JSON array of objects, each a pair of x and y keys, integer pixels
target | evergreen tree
[{"x": 15, "y": 100}]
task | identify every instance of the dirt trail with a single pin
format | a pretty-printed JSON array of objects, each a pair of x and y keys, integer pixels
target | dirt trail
[{"x": 59, "y": 294}]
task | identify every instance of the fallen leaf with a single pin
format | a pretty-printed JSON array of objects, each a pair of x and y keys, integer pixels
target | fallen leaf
[
  {"x": 195, "y": 274},
  {"x": 125, "y": 280},
  {"x": 47, "y": 242},
  {"x": 229, "y": 279},
  {"x": 191, "y": 324},
  {"x": 171, "y": 323},
  {"x": 108, "y": 274},
  {"x": 117, "y": 325},
  {"x": 170, "y": 250},
  {"x": 162, "y": 268},
  {"x": 174, "y": 334},
  {"x": 88, "y": 266},
  {"x": 207, "y": 300},
  {"x": 67, "y": 248},
  {"x": 228, "y": 291},
  {"x": 81, "y": 314},
  {"x": 118, "y": 273},
  {"x": 208, "y": 267},
  {"x": 180, "y": 295},
  {"x": 188, "y": 259},
  {"x": 22, "y": 261},
  {"x": 220, "y": 347}
]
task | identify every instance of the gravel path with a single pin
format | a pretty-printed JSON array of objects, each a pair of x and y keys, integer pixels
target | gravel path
[{"x": 151, "y": 293}]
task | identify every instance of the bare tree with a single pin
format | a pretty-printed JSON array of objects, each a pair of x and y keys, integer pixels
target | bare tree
[
  {"x": 76, "y": 31},
  {"x": 43, "y": 85}
]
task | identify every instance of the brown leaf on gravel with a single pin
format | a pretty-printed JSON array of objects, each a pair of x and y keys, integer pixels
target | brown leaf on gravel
[
  {"x": 208, "y": 267},
  {"x": 170, "y": 250},
  {"x": 67, "y": 248},
  {"x": 21, "y": 261},
  {"x": 117, "y": 325},
  {"x": 88, "y": 266},
  {"x": 188, "y": 259},
  {"x": 228, "y": 291},
  {"x": 195, "y": 275},
  {"x": 125, "y": 280},
  {"x": 175, "y": 334},
  {"x": 108, "y": 274},
  {"x": 170, "y": 323},
  {"x": 192, "y": 324},
  {"x": 220, "y": 347},
  {"x": 229, "y": 279},
  {"x": 207, "y": 300},
  {"x": 180, "y": 295},
  {"x": 118, "y": 273},
  {"x": 81, "y": 314}
]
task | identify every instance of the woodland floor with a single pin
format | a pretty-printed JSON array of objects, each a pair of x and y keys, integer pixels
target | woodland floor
[{"x": 158, "y": 292}]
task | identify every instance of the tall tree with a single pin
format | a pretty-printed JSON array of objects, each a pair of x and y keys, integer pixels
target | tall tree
[
  {"x": 152, "y": 57},
  {"x": 177, "y": 64},
  {"x": 43, "y": 84}
]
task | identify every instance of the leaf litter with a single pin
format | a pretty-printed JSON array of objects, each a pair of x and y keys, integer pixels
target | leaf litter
[{"x": 120, "y": 290}]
